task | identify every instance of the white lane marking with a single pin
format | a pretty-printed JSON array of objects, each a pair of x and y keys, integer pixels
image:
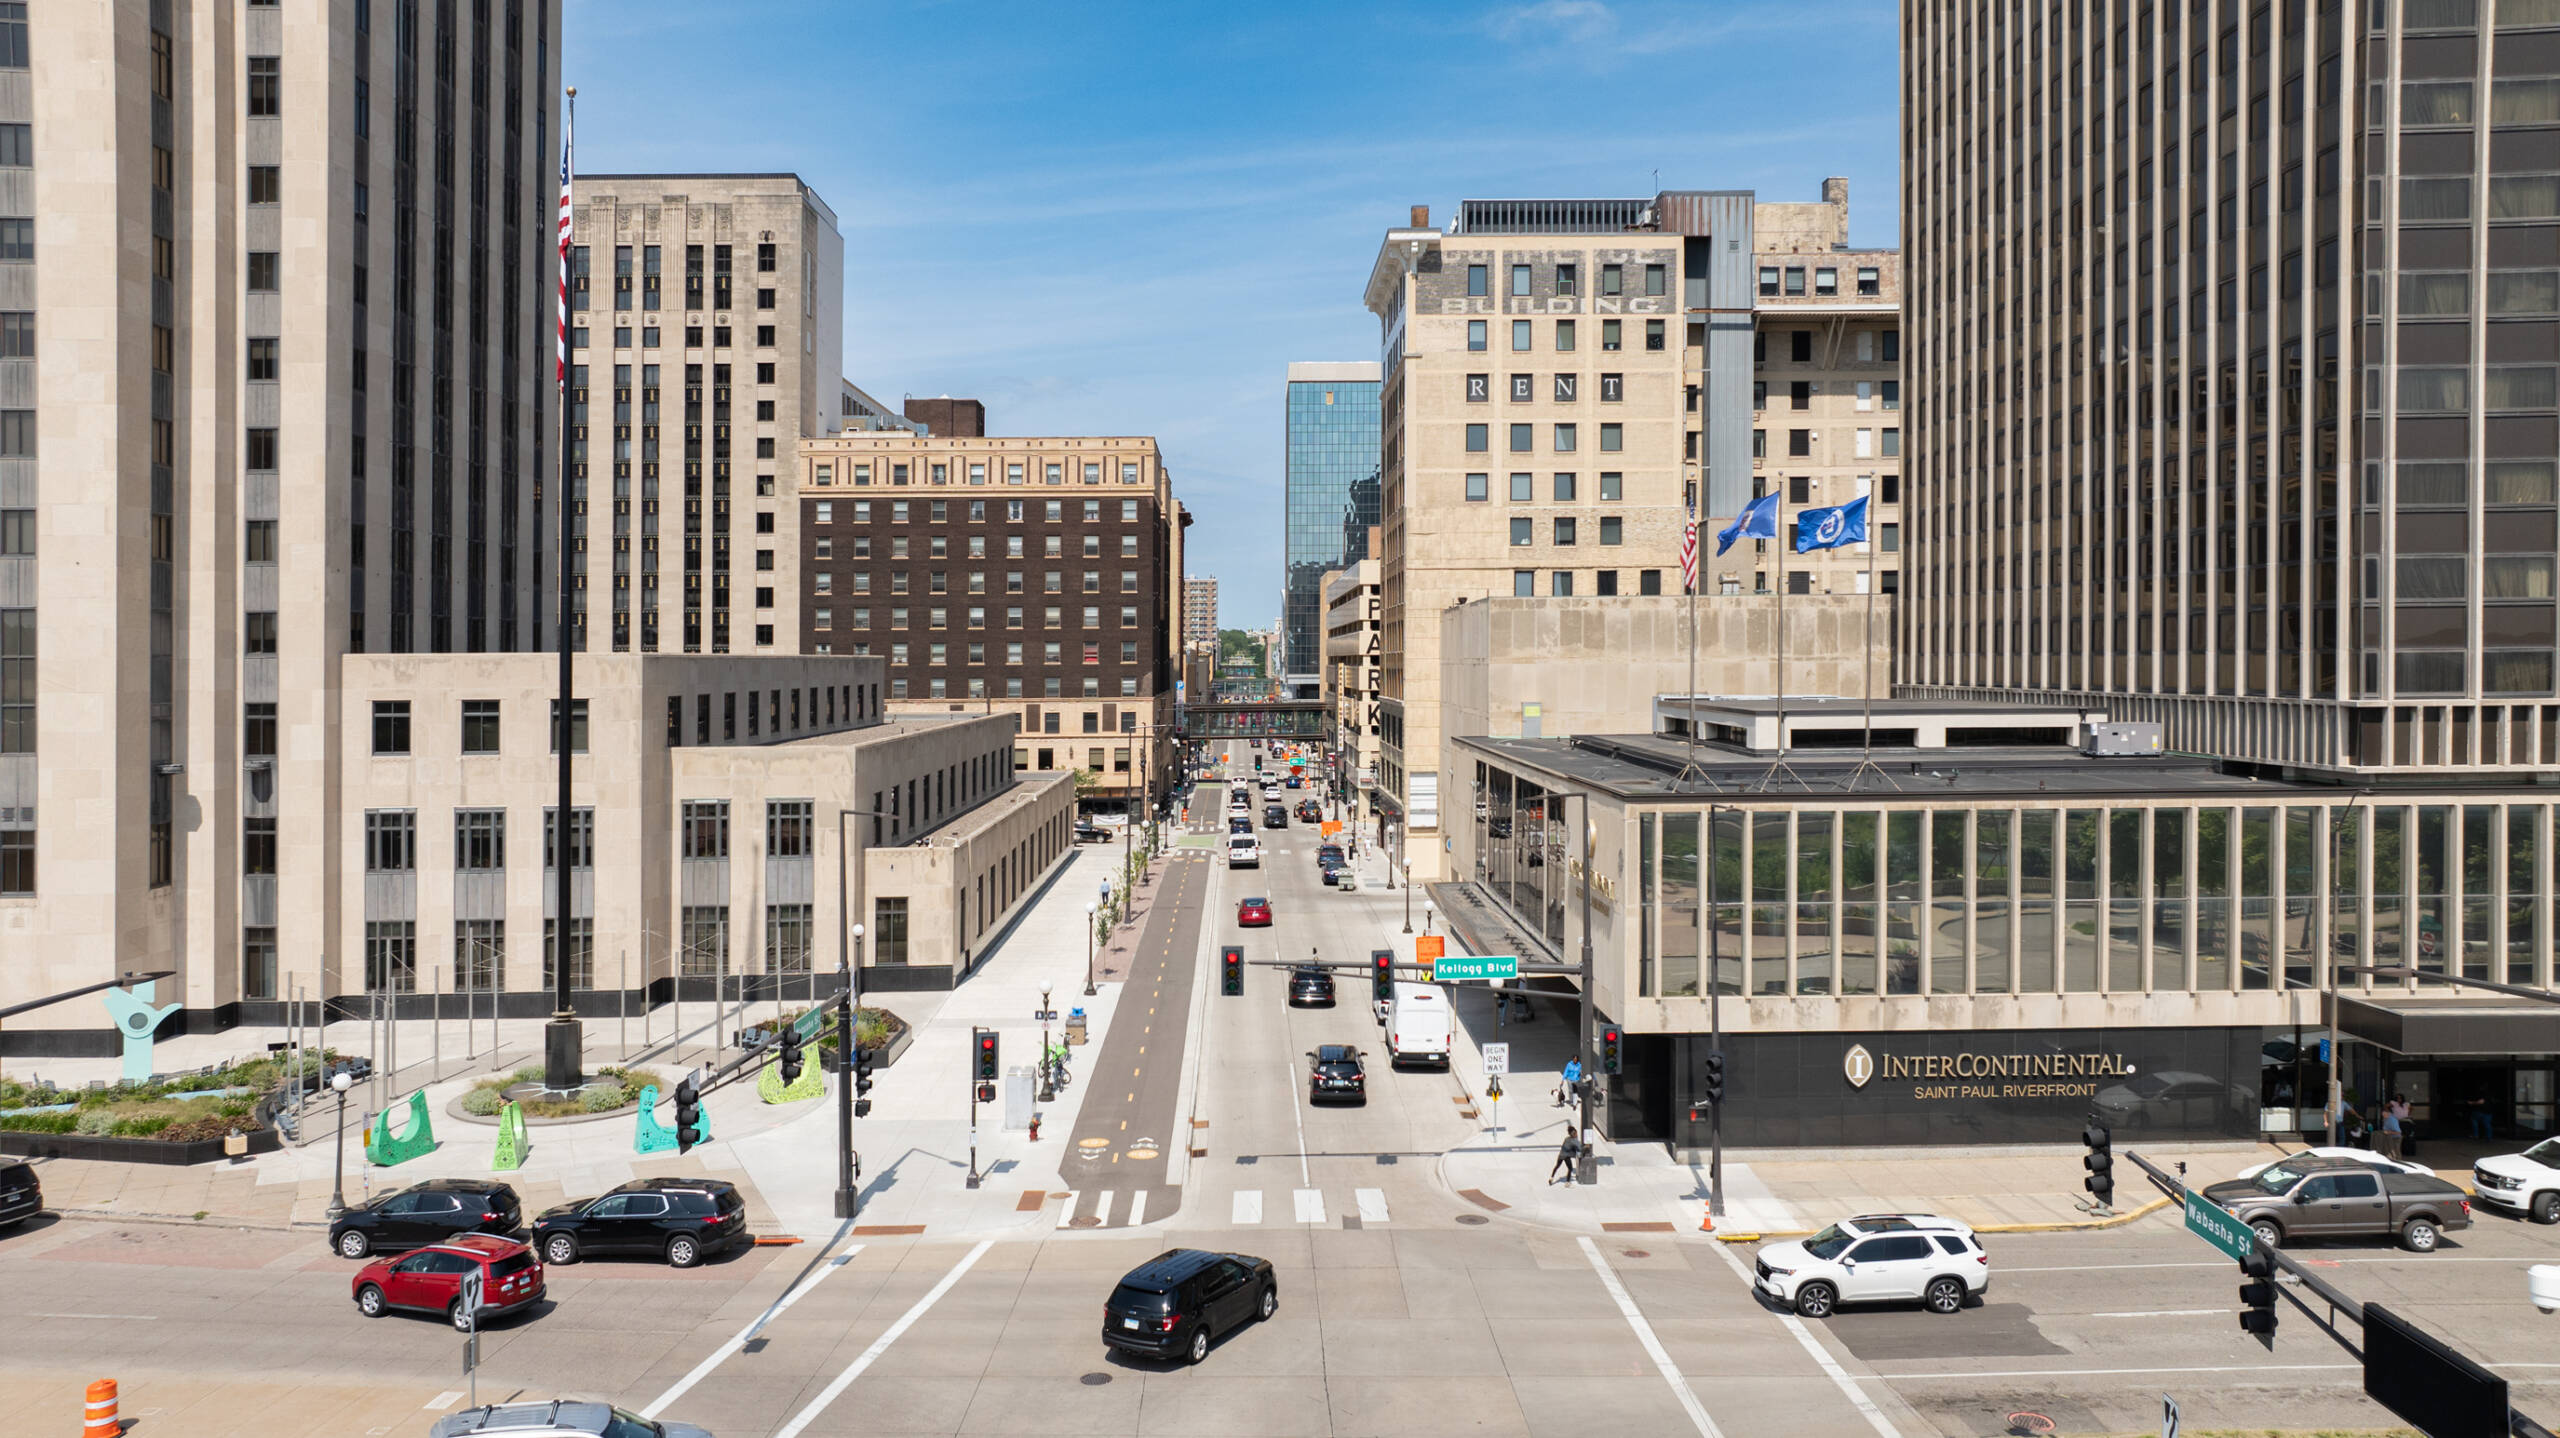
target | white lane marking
[
  {"x": 880, "y": 1345},
  {"x": 1102, "y": 1209},
  {"x": 1821, "y": 1356},
  {"x": 1372, "y": 1203},
  {"x": 1137, "y": 1209},
  {"x": 1248, "y": 1207},
  {"x": 1670, "y": 1371},
  {"x": 1310, "y": 1205},
  {"x": 1067, "y": 1212},
  {"x": 727, "y": 1350},
  {"x": 2160, "y": 1313},
  {"x": 437, "y": 1404}
]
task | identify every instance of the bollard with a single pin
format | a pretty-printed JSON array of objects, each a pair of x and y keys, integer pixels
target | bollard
[{"x": 102, "y": 1411}]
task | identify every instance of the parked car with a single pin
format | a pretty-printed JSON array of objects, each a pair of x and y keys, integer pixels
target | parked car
[
  {"x": 1310, "y": 988},
  {"x": 558, "y": 1418},
  {"x": 1176, "y": 1303},
  {"x": 2528, "y": 1182},
  {"x": 430, "y": 1212},
  {"x": 1254, "y": 913},
  {"x": 2342, "y": 1198},
  {"x": 2367, "y": 1157},
  {"x": 1275, "y": 816},
  {"x": 1877, "y": 1258},
  {"x": 1335, "y": 1071},
  {"x": 684, "y": 1220},
  {"x": 21, "y": 1194},
  {"x": 430, "y": 1279},
  {"x": 1244, "y": 852},
  {"x": 1088, "y": 832}
]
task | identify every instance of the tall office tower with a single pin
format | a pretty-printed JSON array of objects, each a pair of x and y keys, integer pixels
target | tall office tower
[
  {"x": 2233, "y": 333},
  {"x": 691, "y": 400},
  {"x": 290, "y": 264},
  {"x": 1200, "y": 612},
  {"x": 1332, "y": 500}
]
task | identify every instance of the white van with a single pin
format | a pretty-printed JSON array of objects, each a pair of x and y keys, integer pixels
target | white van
[{"x": 1418, "y": 1026}]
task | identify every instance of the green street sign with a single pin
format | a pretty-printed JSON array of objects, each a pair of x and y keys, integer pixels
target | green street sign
[
  {"x": 1449, "y": 968},
  {"x": 2215, "y": 1225}
]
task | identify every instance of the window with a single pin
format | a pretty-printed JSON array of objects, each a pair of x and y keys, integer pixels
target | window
[
  {"x": 1648, "y": 581},
  {"x": 1891, "y": 392},
  {"x": 1523, "y": 437},
  {"x": 257, "y": 631},
  {"x": 263, "y": 270},
  {"x": 1522, "y": 335},
  {"x": 17, "y": 146},
  {"x": 1613, "y": 437},
  {"x": 1520, "y": 280},
  {"x": 1523, "y": 488},
  {"x": 1889, "y": 346},
  {"x": 1768, "y": 279},
  {"x": 479, "y": 838},
  {"x": 1800, "y": 346},
  {"x": 1612, "y": 529},
  {"x": 1826, "y": 281},
  {"x": 577, "y": 726},
  {"x": 258, "y": 846},
  {"x": 258, "y": 541},
  {"x": 1612, "y": 485},
  {"x": 390, "y": 726},
  {"x": 1657, "y": 279},
  {"x": 1609, "y": 335},
  {"x": 390, "y": 840},
  {"x": 1566, "y": 486},
  {"x": 261, "y": 450},
  {"x": 1478, "y": 487},
  {"x": 582, "y": 953},
  {"x": 1799, "y": 442},
  {"x": 266, "y": 184},
  {"x": 1613, "y": 279},
  {"x": 1564, "y": 531},
  {"x": 257, "y": 731},
  {"x": 889, "y": 930},
  {"x": 1653, "y": 334},
  {"x": 262, "y": 352},
  {"x": 17, "y": 846},
  {"x": 1870, "y": 280},
  {"x": 1524, "y": 584},
  {"x": 1560, "y": 584},
  {"x": 1604, "y": 582},
  {"x": 1800, "y": 394},
  {"x": 391, "y": 956},
  {"x": 1564, "y": 336},
  {"x": 1479, "y": 438},
  {"x": 265, "y": 85},
  {"x": 1523, "y": 533},
  {"x": 1795, "y": 280},
  {"x": 582, "y": 839},
  {"x": 1568, "y": 280},
  {"x": 1477, "y": 280},
  {"x": 704, "y": 829},
  {"x": 479, "y": 726},
  {"x": 789, "y": 827},
  {"x": 1892, "y": 442},
  {"x": 1565, "y": 437},
  {"x": 1475, "y": 328}
]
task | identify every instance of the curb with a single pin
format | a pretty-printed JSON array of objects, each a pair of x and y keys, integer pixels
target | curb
[{"x": 180, "y": 1220}]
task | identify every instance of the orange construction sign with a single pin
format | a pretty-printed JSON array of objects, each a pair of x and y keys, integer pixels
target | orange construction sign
[
  {"x": 1330, "y": 827},
  {"x": 1428, "y": 948}
]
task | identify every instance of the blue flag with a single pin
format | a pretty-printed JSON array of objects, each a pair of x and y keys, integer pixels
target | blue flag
[
  {"x": 1830, "y": 528},
  {"x": 1759, "y": 520}
]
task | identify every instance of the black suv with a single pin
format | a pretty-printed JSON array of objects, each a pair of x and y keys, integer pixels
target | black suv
[
  {"x": 1310, "y": 988},
  {"x": 1337, "y": 1073},
  {"x": 1275, "y": 816},
  {"x": 21, "y": 1196},
  {"x": 431, "y": 1212},
  {"x": 1173, "y": 1304},
  {"x": 684, "y": 1220}
]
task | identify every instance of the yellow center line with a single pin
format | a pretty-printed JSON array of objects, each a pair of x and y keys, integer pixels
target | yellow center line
[
  {"x": 1133, "y": 1098},
  {"x": 1124, "y": 1125}
]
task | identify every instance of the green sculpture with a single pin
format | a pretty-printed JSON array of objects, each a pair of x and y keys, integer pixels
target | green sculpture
[
  {"x": 810, "y": 1084},
  {"x": 383, "y": 1150},
  {"x": 513, "y": 1145}
]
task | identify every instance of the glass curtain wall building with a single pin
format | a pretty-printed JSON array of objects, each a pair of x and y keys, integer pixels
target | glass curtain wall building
[{"x": 1332, "y": 501}]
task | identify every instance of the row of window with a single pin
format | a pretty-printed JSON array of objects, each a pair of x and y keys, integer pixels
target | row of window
[
  {"x": 1788, "y": 280},
  {"x": 1864, "y": 394},
  {"x": 479, "y": 839},
  {"x": 1562, "y": 439},
  {"x": 939, "y": 546},
  {"x": 1567, "y": 335},
  {"x": 1863, "y": 443},
  {"x": 896, "y": 473},
  {"x": 1052, "y": 654},
  {"x": 939, "y": 582},
  {"x": 1562, "y": 584},
  {"x": 1053, "y": 617},
  {"x": 976, "y": 686},
  {"x": 581, "y": 260},
  {"x": 481, "y": 719},
  {"x": 1656, "y": 279},
  {"x": 649, "y": 338},
  {"x": 1566, "y": 489},
  {"x": 939, "y": 511}
]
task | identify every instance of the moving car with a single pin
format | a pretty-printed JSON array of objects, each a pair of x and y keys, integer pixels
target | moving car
[
  {"x": 2342, "y": 1198},
  {"x": 430, "y": 1212},
  {"x": 558, "y": 1418},
  {"x": 1244, "y": 852},
  {"x": 1174, "y": 1304},
  {"x": 2528, "y": 1182},
  {"x": 1310, "y": 988},
  {"x": 1088, "y": 832},
  {"x": 1876, "y": 1258},
  {"x": 1293, "y": 782},
  {"x": 684, "y": 1220},
  {"x": 1336, "y": 1072},
  {"x": 1240, "y": 825},
  {"x": 1417, "y": 1025},
  {"x": 1275, "y": 816},
  {"x": 430, "y": 1280},
  {"x": 2368, "y": 1158},
  {"x": 1309, "y": 812},
  {"x": 21, "y": 1194},
  {"x": 1254, "y": 913}
]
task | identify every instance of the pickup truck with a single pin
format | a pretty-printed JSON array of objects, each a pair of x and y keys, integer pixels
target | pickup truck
[{"x": 2340, "y": 1198}]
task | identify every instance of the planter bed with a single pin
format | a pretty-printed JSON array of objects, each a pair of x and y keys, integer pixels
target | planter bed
[{"x": 128, "y": 1150}]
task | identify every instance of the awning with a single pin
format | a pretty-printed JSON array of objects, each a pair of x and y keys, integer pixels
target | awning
[{"x": 2415, "y": 1025}]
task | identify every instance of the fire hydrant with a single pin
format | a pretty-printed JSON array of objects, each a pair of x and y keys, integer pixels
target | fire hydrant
[{"x": 1035, "y": 1128}]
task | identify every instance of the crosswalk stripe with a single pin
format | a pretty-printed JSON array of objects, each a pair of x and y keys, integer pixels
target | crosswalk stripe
[
  {"x": 1310, "y": 1205},
  {"x": 1102, "y": 1210},
  {"x": 1248, "y": 1207},
  {"x": 1372, "y": 1202},
  {"x": 1067, "y": 1210},
  {"x": 1137, "y": 1209}
]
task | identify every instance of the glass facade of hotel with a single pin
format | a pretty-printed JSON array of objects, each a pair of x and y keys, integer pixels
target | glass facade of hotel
[{"x": 1332, "y": 505}]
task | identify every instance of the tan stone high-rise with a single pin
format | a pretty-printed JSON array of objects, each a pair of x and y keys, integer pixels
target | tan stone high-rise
[
  {"x": 291, "y": 401},
  {"x": 707, "y": 327}
]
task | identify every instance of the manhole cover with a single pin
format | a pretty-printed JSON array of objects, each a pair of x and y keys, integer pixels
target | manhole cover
[
  {"x": 1094, "y": 1380},
  {"x": 1635, "y": 1253},
  {"x": 2029, "y": 1425},
  {"x": 1088, "y": 1221},
  {"x": 1473, "y": 1220}
]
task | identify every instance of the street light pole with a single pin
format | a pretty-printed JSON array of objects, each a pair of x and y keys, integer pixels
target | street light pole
[
  {"x": 848, "y": 1008},
  {"x": 340, "y": 1082},
  {"x": 1089, "y": 989},
  {"x": 1715, "y": 1017}
]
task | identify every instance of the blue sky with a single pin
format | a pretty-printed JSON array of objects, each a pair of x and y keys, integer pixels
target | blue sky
[{"x": 1129, "y": 218}]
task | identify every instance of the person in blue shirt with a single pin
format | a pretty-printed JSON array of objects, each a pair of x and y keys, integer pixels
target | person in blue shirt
[{"x": 1572, "y": 1076}]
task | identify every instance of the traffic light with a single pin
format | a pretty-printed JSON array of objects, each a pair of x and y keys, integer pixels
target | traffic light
[
  {"x": 2100, "y": 1160},
  {"x": 861, "y": 1082},
  {"x": 987, "y": 1056},
  {"x": 790, "y": 1054},
  {"x": 1613, "y": 1058},
  {"x": 689, "y": 1125},
  {"x": 2258, "y": 1296},
  {"x": 1383, "y": 975},
  {"x": 1231, "y": 979},
  {"x": 1713, "y": 1088},
  {"x": 1257, "y": 763}
]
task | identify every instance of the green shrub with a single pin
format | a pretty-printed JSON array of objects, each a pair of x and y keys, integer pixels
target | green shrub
[
  {"x": 40, "y": 1122},
  {"x": 485, "y": 1102},
  {"x": 94, "y": 1121},
  {"x": 143, "y": 1127},
  {"x": 605, "y": 1100}
]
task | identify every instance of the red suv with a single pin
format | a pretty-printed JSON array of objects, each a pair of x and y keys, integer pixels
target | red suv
[{"x": 429, "y": 1280}]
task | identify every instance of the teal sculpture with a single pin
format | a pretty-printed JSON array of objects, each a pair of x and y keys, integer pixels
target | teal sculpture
[
  {"x": 137, "y": 1021},
  {"x": 420, "y": 1136}
]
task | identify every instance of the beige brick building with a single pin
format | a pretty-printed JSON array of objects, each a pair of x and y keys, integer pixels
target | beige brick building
[{"x": 1350, "y": 689}]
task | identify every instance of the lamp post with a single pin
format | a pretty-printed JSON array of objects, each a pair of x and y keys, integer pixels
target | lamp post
[
  {"x": 2335, "y": 1111},
  {"x": 1089, "y": 989},
  {"x": 1048, "y": 1071},
  {"x": 848, "y": 1006},
  {"x": 1426, "y": 916},
  {"x": 340, "y": 1082}
]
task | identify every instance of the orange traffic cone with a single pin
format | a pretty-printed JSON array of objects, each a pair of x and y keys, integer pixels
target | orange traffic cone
[
  {"x": 102, "y": 1411},
  {"x": 1707, "y": 1220}
]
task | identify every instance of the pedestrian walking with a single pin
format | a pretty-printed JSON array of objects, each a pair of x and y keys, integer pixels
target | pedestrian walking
[
  {"x": 2394, "y": 1112},
  {"x": 2348, "y": 1124},
  {"x": 1568, "y": 1156},
  {"x": 2407, "y": 1145},
  {"x": 1572, "y": 1076}
]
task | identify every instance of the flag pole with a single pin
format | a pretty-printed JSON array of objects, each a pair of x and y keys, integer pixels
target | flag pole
[
  {"x": 562, "y": 1038},
  {"x": 1867, "y": 671}
]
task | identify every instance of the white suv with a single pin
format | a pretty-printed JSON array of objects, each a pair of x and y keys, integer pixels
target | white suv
[
  {"x": 2528, "y": 1182},
  {"x": 1877, "y": 1258},
  {"x": 1244, "y": 852}
]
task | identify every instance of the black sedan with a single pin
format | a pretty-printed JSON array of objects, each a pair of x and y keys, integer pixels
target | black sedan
[
  {"x": 431, "y": 1212},
  {"x": 1337, "y": 1073},
  {"x": 683, "y": 1220},
  {"x": 1310, "y": 988}
]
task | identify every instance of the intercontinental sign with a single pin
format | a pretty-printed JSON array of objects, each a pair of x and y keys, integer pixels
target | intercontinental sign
[{"x": 1984, "y": 1075}]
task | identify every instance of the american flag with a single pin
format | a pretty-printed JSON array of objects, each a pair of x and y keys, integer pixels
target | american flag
[
  {"x": 1689, "y": 555},
  {"x": 560, "y": 358}
]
